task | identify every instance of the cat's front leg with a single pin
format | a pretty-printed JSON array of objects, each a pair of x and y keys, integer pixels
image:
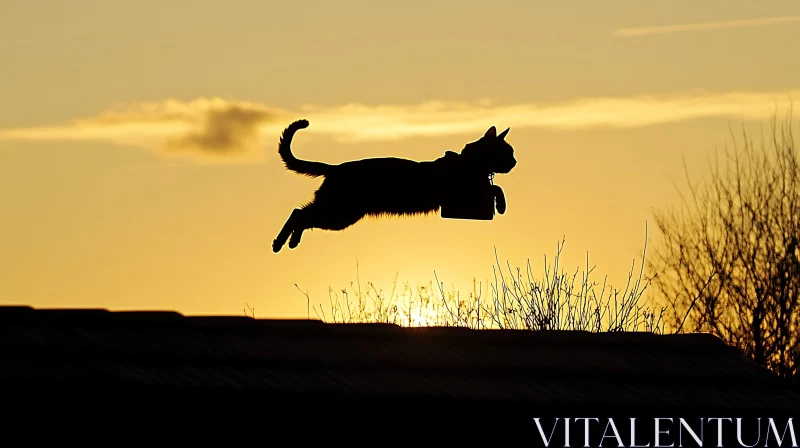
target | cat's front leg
[{"x": 500, "y": 199}]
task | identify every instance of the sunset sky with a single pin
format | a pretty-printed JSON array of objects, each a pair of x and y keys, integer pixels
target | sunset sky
[{"x": 138, "y": 162}]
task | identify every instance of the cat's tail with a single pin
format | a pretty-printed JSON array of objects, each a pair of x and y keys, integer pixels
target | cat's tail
[{"x": 304, "y": 167}]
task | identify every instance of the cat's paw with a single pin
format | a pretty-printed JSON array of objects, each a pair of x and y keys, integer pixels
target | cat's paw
[
  {"x": 294, "y": 239},
  {"x": 501, "y": 204},
  {"x": 276, "y": 246},
  {"x": 500, "y": 199}
]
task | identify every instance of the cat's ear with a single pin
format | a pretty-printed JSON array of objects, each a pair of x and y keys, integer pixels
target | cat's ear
[
  {"x": 503, "y": 134},
  {"x": 492, "y": 132}
]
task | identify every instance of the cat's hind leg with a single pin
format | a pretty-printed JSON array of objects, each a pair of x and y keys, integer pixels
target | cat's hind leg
[
  {"x": 294, "y": 240},
  {"x": 304, "y": 219},
  {"x": 315, "y": 216},
  {"x": 500, "y": 199},
  {"x": 287, "y": 230}
]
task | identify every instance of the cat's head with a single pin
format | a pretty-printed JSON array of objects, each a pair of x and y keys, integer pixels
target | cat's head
[{"x": 491, "y": 153}]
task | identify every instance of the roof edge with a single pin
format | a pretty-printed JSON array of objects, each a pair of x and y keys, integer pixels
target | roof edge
[{"x": 102, "y": 316}]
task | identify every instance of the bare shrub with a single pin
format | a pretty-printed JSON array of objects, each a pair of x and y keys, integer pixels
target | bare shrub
[
  {"x": 729, "y": 263},
  {"x": 517, "y": 300}
]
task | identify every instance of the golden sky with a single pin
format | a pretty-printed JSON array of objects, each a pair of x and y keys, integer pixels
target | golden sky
[{"x": 138, "y": 163}]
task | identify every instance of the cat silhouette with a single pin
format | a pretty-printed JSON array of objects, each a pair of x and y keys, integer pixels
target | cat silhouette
[{"x": 389, "y": 186}]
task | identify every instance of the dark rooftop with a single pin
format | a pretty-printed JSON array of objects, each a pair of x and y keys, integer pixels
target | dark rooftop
[{"x": 155, "y": 354}]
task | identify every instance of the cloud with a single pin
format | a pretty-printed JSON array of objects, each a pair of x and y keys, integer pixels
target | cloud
[
  {"x": 707, "y": 26},
  {"x": 218, "y": 129},
  {"x": 232, "y": 128},
  {"x": 210, "y": 128}
]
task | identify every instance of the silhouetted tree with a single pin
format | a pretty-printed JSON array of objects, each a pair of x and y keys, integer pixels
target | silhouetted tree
[{"x": 729, "y": 260}]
